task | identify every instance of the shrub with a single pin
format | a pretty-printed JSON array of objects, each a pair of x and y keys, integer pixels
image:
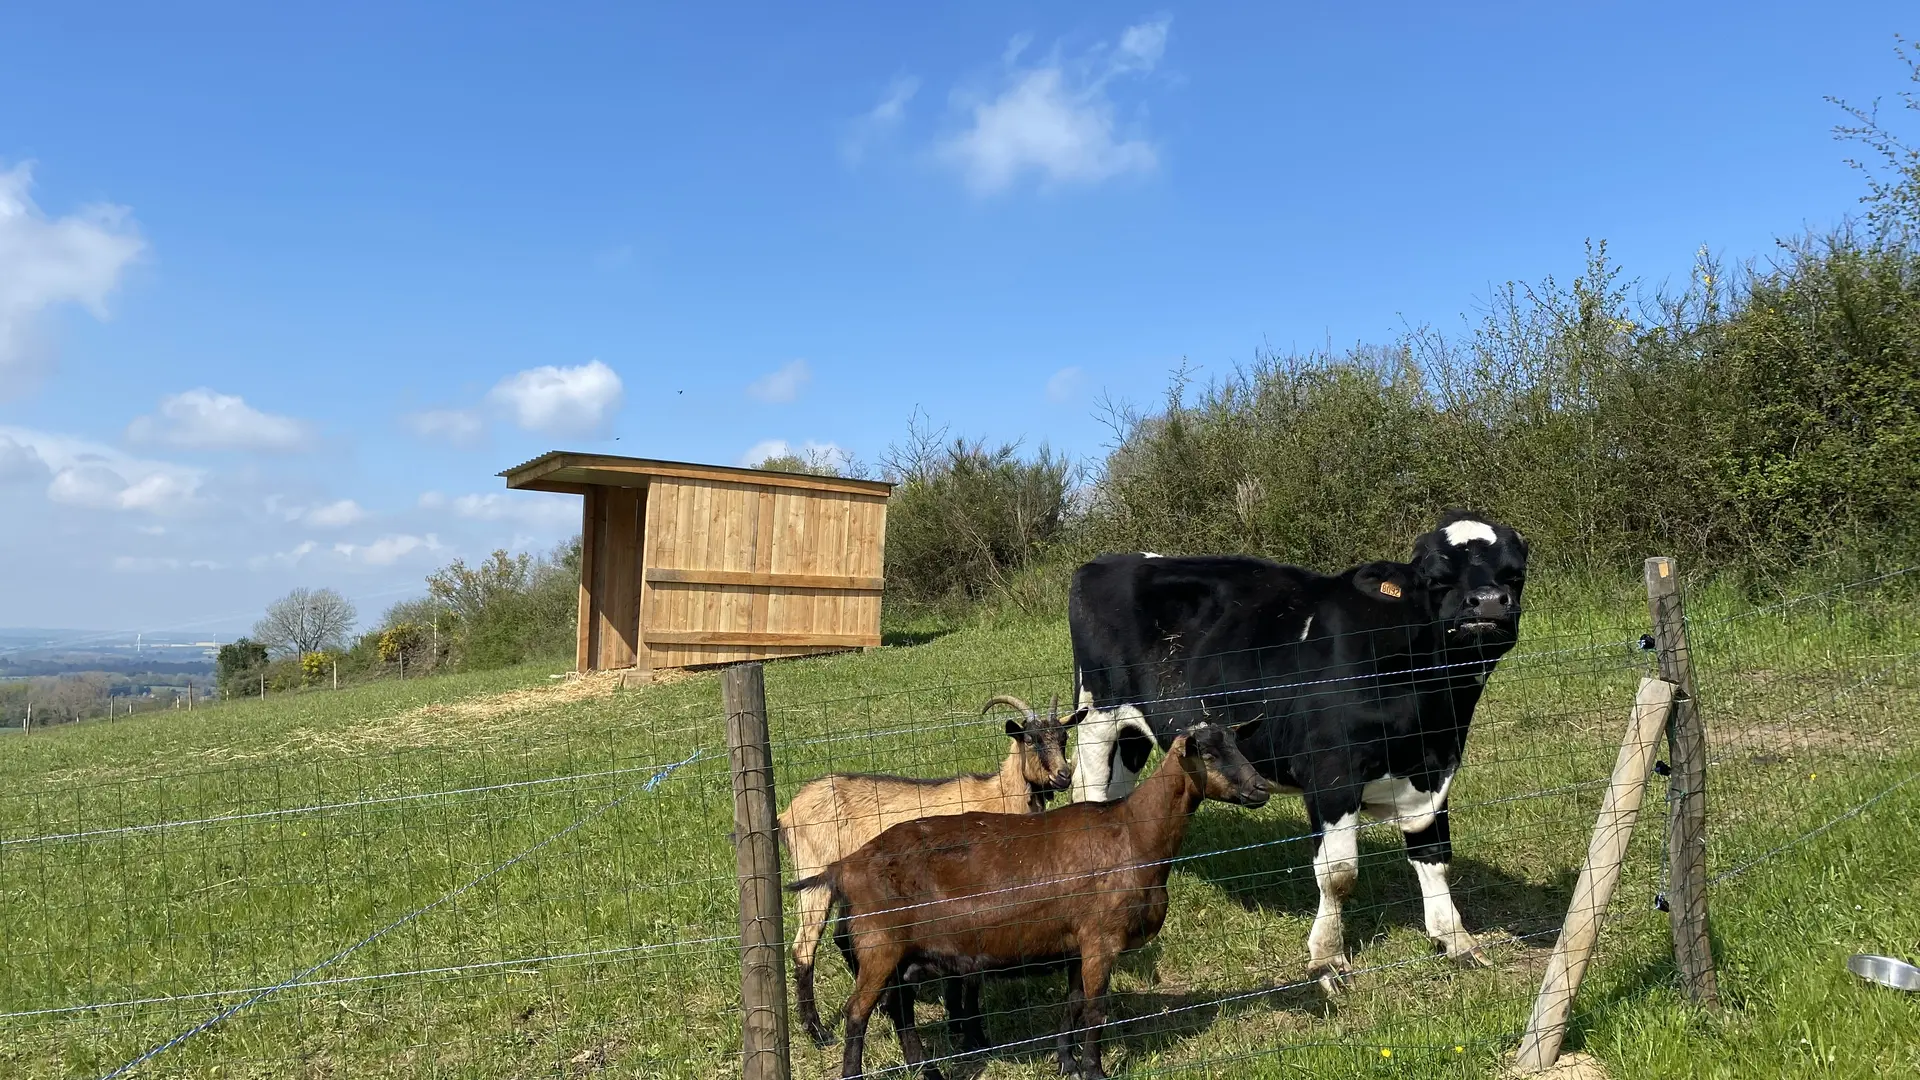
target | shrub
[
  {"x": 1765, "y": 422},
  {"x": 964, "y": 518},
  {"x": 238, "y": 665},
  {"x": 510, "y": 608},
  {"x": 401, "y": 643},
  {"x": 317, "y": 666}
]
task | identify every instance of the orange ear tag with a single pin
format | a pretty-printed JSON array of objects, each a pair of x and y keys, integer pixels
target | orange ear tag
[{"x": 1388, "y": 588}]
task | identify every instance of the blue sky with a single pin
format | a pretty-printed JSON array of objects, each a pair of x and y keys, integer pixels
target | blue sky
[{"x": 282, "y": 289}]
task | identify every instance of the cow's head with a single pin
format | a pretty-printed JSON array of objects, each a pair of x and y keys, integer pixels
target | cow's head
[{"x": 1474, "y": 570}]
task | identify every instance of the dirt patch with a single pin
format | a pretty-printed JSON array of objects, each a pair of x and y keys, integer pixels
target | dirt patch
[
  {"x": 477, "y": 722},
  {"x": 1773, "y": 742},
  {"x": 1570, "y": 1067},
  {"x": 439, "y": 723}
]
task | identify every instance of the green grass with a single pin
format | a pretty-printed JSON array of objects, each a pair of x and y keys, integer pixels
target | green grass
[{"x": 241, "y": 904}]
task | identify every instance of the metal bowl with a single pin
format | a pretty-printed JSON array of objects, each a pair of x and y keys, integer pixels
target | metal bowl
[{"x": 1885, "y": 970}]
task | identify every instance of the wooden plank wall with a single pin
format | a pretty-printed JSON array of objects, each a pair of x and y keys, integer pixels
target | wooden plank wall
[{"x": 742, "y": 572}]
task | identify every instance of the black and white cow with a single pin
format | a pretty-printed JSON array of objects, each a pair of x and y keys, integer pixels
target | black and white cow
[{"x": 1355, "y": 689}]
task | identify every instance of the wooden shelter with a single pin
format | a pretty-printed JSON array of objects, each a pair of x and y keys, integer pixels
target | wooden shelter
[{"x": 687, "y": 565}]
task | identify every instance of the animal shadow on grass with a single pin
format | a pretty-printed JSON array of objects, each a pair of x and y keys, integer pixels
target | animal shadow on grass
[
  {"x": 1275, "y": 874},
  {"x": 1024, "y": 1014}
]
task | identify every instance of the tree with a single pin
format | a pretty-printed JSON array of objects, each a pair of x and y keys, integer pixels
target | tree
[
  {"x": 239, "y": 664},
  {"x": 304, "y": 621}
]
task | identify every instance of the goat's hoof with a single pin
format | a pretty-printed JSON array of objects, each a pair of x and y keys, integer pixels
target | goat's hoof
[{"x": 821, "y": 1037}]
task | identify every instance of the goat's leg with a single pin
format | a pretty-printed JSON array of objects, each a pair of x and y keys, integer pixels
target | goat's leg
[
  {"x": 1063, "y": 1043},
  {"x": 1096, "y": 971},
  {"x": 963, "y": 1013},
  {"x": 1336, "y": 866},
  {"x": 813, "y": 907},
  {"x": 899, "y": 1004},
  {"x": 1430, "y": 850},
  {"x": 870, "y": 981}
]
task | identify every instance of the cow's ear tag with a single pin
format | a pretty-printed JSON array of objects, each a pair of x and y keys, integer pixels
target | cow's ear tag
[{"x": 1388, "y": 588}]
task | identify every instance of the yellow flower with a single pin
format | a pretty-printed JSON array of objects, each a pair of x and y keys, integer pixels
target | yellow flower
[
  {"x": 1385, "y": 1052},
  {"x": 1459, "y": 1049}
]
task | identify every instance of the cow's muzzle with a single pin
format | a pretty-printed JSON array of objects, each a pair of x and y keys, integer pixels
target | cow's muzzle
[{"x": 1488, "y": 610}]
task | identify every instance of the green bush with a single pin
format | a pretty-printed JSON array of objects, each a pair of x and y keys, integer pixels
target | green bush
[
  {"x": 1765, "y": 422},
  {"x": 509, "y": 608},
  {"x": 964, "y": 519},
  {"x": 238, "y": 667}
]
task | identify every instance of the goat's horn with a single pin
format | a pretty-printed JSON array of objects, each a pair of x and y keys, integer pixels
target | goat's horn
[
  {"x": 1053, "y": 710},
  {"x": 1013, "y": 703}
]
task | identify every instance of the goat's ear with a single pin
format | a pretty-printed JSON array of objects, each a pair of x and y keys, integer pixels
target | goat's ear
[{"x": 1014, "y": 728}]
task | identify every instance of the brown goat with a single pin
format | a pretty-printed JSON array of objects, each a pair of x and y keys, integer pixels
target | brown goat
[
  {"x": 832, "y": 816},
  {"x": 978, "y": 892}
]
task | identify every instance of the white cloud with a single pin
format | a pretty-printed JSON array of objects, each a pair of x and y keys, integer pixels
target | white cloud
[
  {"x": 291, "y": 557},
  {"x": 46, "y": 262},
  {"x": 202, "y": 419},
  {"x": 783, "y": 385},
  {"x": 527, "y": 507},
  {"x": 333, "y": 515},
  {"x": 1056, "y": 118},
  {"x": 99, "y": 477},
  {"x": 880, "y": 121},
  {"x": 761, "y": 451},
  {"x": 560, "y": 401},
  {"x": 388, "y": 549},
  {"x": 459, "y": 427},
  {"x": 817, "y": 453},
  {"x": 1065, "y": 385}
]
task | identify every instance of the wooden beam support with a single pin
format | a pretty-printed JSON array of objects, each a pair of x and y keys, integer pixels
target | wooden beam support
[
  {"x": 778, "y": 581},
  {"x": 752, "y": 637},
  {"x": 1606, "y": 851}
]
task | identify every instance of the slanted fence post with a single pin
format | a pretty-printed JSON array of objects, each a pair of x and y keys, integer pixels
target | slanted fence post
[
  {"x": 1606, "y": 852},
  {"x": 1686, "y": 790},
  {"x": 765, "y": 1054}
]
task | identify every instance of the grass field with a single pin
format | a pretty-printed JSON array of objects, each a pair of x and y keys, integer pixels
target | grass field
[{"x": 607, "y": 951}]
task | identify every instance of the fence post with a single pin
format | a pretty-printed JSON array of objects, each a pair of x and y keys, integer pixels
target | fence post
[
  {"x": 1686, "y": 789},
  {"x": 1540, "y": 1048},
  {"x": 763, "y": 968}
]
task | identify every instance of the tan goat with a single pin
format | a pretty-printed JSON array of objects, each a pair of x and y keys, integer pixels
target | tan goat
[{"x": 832, "y": 816}]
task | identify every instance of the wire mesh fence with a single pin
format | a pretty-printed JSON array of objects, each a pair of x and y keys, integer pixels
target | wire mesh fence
[{"x": 550, "y": 890}]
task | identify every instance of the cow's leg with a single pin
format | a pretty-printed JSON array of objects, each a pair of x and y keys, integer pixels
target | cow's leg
[
  {"x": 1336, "y": 866},
  {"x": 1093, "y": 750},
  {"x": 1430, "y": 850},
  {"x": 1134, "y": 744}
]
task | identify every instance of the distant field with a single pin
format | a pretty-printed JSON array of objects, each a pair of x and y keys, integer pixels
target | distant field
[{"x": 608, "y": 950}]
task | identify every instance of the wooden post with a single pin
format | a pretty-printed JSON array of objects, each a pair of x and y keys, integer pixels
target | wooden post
[
  {"x": 763, "y": 970},
  {"x": 1594, "y": 891},
  {"x": 1686, "y": 790}
]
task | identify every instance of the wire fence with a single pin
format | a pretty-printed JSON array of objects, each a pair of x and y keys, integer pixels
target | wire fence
[{"x": 547, "y": 887}]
